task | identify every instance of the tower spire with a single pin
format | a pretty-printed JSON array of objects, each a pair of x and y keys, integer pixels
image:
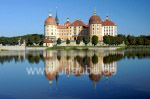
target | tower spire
[
  {"x": 107, "y": 17},
  {"x": 56, "y": 18},
  {"x": 68, "y": 20},
  {"x": 50, "y": 13},
  {"x": 95, "y": 12}
]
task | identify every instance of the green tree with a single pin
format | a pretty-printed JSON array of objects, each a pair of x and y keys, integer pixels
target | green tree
[
  {"x": 106, "y": 40},
  {"x": 86, "y": 40},
  {"x": 59, "y": 41},
  {"x": 146, "y": 41},
  {"x": 126, "y": 42},
  {"x": 41, "y": 43},
  {"x": 30, "y": 41},
  {"x": 67, "y": 41},
  {"x": 140, "y": 41},
  {"x": 113, "y": 40},
  {"x": 94, "y": 40},
  {"x": 132, "y": 41},
  {"x": 120, "y": 39},
  {"x": 78, "y": 41},
  {"x": 37, "y": 39}
]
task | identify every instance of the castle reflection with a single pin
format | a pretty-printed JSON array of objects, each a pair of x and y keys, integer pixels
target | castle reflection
[
  {"x": 94, "y": 64},
  {"x": 79, "y": 63}
]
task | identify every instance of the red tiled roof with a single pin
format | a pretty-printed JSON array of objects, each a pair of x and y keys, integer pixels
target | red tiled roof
[
  {"x": 62, "y": 27},
  {"x": 108, "y": 23},
  {"x": 47, "y": 41},
  {"x": 50, "y": 21},
  {"x": 86, "y": 26},
  {"x": 67, "y": 23},
  {"x": 95, "y": 20},
  {"x": 77, "y": 23}
]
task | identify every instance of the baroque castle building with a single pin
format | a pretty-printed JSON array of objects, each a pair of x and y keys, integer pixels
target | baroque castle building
[{"x": 53, "y": 30}]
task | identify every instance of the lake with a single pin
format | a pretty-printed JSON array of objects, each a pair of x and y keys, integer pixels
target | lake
[{"x": 74, "y": 74}]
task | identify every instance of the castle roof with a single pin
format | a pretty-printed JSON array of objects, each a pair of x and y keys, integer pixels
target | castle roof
[
  {"x": 67, "y": 23},
  {"x": 50, "y": 21},
  {"x": 77, "y": 23},
  {"x": 62, "y": 27},
  {"x": 47, "y": 41},
  {"x": 95, "y": 20},
  {"x": 108, "y": 23}
]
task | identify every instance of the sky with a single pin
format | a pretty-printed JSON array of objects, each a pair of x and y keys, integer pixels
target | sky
[{"x": 21, "y": 17}]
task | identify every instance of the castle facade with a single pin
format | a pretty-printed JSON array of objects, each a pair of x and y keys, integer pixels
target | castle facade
[{"x": 53, "y": 30}]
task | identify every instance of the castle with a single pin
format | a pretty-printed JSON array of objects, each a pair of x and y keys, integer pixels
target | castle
[{"x": 53, "y": 30}]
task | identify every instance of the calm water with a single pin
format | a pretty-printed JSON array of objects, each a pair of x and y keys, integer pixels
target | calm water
[{"x": 74, "y": 74}]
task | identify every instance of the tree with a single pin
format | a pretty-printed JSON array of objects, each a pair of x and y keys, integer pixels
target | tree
[
  {"x": 59, "y": 41},
  {"x": 140, "y": 41},
  {"x": 86, "y": 40},
  {"x": 132, "y": 41},
  {"x": 106, "y": 40},
  {"x": 146, "y": 41},
  {"x": 94, "y": 40},
  {"x": 67, "y": 41},
  {"x": 120, "y": 39},
  {"x": 37, "y": 39},
  {"x": 78, "y": 40},
  {"x": 41, "y": 43},
  {"x": 126, "y": 42},
  {"x": 113, "y": 40},
  {"x": 30, "y": 41}
]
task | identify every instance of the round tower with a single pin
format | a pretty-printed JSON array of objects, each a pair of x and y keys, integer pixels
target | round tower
[
  {"x": 95, "y": 26},
  {"x": 50, "y": 28}
]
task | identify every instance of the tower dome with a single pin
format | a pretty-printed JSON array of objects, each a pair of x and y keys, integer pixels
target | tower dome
[
  {"x": 95, "y": 19},
  {"x": 50, "y": 20}
]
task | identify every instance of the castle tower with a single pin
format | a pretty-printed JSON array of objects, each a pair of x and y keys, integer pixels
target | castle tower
[
  {"x": 95, "y": 26},
  {"x": 50, "y": 28},
  {"x": 109, "y": 27}
]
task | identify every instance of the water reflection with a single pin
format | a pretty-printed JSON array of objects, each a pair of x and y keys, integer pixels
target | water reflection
[
  {"x": 78, "y": 63},
  {"x": 20, "y": 56},
  {"x": 94, "y": 64}
]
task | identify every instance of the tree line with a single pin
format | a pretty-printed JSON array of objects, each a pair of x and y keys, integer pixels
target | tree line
[
  {"x": 31, "y": 39},
  {"x": 37, "y": 39},
  {"x": 128, "y": 40},
  {"x": 113, "y": 40}
]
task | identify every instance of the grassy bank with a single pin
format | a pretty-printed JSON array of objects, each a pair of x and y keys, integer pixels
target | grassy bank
[
  {"x": 78, "y": 47},
  {"x": 137, "y": 48},
  {"x": 92, "y": 47},
  {"x": 3, "y": 50}
]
